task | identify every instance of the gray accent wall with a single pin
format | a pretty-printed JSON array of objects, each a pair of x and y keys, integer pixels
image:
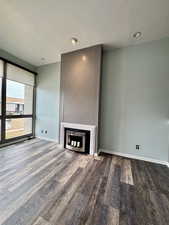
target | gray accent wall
[
  {"x": 80, "y": 86},
  {"x": 47, "y": 107},
  {"x": 135, "y": 100}
]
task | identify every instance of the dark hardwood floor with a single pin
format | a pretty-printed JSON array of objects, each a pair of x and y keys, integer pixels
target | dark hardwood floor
[{"x": 41, "y": 184}]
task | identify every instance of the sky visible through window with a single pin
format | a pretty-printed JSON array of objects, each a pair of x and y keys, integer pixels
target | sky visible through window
[{"x": 15, "y": 89}]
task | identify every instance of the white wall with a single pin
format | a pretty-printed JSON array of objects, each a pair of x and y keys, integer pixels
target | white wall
[
  {"x": 48, "y": 94},
  {"x": 135, "y": 100}
]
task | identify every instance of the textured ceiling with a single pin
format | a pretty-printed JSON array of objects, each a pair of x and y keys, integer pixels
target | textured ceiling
[{"x": 34, "y": 29}]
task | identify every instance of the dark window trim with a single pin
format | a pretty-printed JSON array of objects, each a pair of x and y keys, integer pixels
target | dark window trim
[
  {"x": 14, "y": 142},
  {"x": 3, "y": 105},
  {"x": 34, "y": 108},
  {"x": 15, "y": 64},
  {"x": 18, "y": 116},
  {"x": 18, "y": 138}
]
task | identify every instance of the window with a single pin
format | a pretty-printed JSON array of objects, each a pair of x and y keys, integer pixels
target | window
[
  {"x": 18, "y": 127},
  {"x": 19, "y": 98},
  {"x": 16, "y": 102}
]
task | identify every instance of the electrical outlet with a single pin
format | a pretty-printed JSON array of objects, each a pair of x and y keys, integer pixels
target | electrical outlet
[
  {"x": 138, "y": 147},
  {"x": 41, "y": 131},
  {"x": 46, "y": 131}
]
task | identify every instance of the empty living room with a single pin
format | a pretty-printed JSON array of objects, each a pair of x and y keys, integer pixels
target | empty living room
[{"x": 84, "y": 112}]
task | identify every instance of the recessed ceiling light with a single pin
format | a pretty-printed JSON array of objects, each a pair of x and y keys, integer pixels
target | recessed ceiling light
[
  {"x": 84, "y": 58},
  {"x": 137, "y": 35},
  {"x": 42, "y": 58},
  {"x": 74, "y": 41}
]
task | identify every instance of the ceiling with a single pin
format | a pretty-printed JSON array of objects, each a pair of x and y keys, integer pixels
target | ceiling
[{"x": 35, "y": 29}]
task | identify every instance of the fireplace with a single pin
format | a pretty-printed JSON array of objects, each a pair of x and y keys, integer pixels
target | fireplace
[
  {"x": 91, "y": 135},
  {"x": 77, "y": 140}
]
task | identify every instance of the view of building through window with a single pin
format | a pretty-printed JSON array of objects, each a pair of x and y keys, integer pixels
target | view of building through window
[
  {"x": 18, "y": 102},
  {"x": 14, "y": 98}
]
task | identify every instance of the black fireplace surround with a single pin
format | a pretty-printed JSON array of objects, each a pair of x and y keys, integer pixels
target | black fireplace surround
[{"x": 77, "y": 140}]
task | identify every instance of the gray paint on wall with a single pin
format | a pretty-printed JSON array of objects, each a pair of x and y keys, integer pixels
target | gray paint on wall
[
  {"x": 135, "y": 100},
  {"x": 80, "y": 86},
  {"x": 48, "y": 95},
  {"x": 16, "y": 60}
]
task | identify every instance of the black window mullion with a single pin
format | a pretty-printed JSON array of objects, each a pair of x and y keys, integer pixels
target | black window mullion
[
  {"x": 34, "y": 107},
  {"x": 3, "y": 105},
  {"x": 18, "y": 116}
]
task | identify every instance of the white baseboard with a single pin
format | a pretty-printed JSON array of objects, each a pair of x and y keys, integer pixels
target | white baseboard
[
  {"x": 47, "y": 139},
  {"x": 131, "y": 156}
]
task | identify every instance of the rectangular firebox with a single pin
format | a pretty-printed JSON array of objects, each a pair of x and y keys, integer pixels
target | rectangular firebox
[{"x": 77, "y": 140}]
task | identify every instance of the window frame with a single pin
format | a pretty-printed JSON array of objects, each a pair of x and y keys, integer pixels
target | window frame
[{"x": 3, "y": 115}]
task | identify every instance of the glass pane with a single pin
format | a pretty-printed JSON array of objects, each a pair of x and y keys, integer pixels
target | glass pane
[
  {"x": 18, "y": 127},
  {"x": 19, "y": 98}
]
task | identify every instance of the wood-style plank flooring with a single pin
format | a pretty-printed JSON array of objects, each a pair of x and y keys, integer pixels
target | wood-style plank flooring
[{"x": 41, "y": 184}]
